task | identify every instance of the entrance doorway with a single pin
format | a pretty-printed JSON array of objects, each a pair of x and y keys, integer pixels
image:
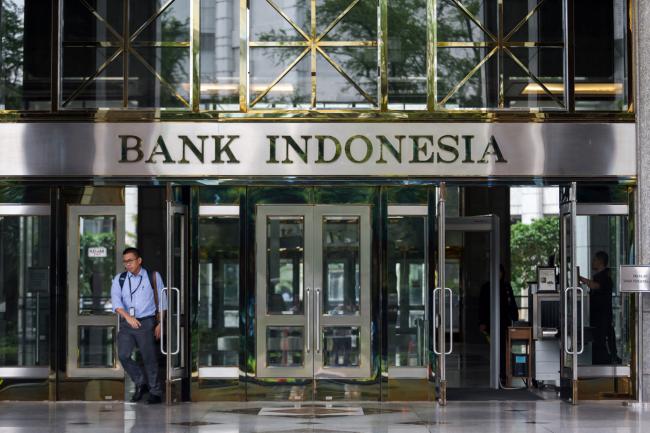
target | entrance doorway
[{"x": 313, "y": 295}]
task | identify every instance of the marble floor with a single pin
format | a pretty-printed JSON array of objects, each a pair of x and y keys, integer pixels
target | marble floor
[{"x": 466, "y": 417}]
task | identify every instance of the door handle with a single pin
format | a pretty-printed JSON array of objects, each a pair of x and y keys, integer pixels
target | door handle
[
  {"x": 178, "y": 321},
  {"x": 162, "y": 327},
  {"x": 582, "y": 321},
  {"x": 317, "y": 333},
  {"x": 451, "y": 321},
  {"x": 435, "y": 323},
  {"x": 308, "y": 328}
]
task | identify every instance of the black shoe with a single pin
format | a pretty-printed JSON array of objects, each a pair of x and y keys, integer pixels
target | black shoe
[
  {"x": 154, "y": 399},
  {"x": 139, "y": 392}
]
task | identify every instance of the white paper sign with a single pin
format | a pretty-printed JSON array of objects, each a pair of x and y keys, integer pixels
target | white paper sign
[{"x": 97, "y": 252}]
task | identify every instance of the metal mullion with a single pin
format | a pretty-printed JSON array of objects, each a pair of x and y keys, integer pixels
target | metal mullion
[
  {"x": 160, "y": 78},
  {"x": 468, "y": 76},
  {"x": 432, "y": 56},
  {"x": 161, "y": 44},
  {"x": 280, "y": 77},
  {"x": 382, "y": 42},
  {"x": 92, "y": 77},
  {"x": 275, "y": 44},
  {"x": 349, "y": 43},
  {"x": 243, "y": 55},
  {"x": 291, "y": 22},
  {"x": 532, "y": 76},
  {"x": 101, "y": 19},
  {"x": 56, "y": 52},
  {"x": 313, "y": 46},
  {"x": 126, "y": 49},
  {"x": 195, "y": 53},
  {"x": 500, "y": 78},
  {"x": 569, "y": 56}
]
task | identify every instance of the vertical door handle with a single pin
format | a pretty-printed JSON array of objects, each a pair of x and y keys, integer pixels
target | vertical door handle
[
  {"x": 582, "y": 321},
  {"x": 178, "y": 321},
  {"x": 566, "y": 322},
  {"x": 451, "y": 321},
  {"x": 308, "y": 328},
  {"x": 162, "y": 327},
  {"x": 435, "y": 323},
  {"x": 318, "y": 313}
]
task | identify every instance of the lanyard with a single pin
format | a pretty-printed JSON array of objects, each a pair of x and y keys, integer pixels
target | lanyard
[{"x": 136, "y": 288}]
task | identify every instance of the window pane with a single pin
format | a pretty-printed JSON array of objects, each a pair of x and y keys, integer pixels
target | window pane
[
  {"x": 285, "y": 346},
  {"x": 96, "y": 347},
  {"x": 341, "y": 272},
  {"x": 25, "y": 35},
  {"x": 407, "y": 282},
  {"x": 220, "y": 54},
  {"x": 218, "y": 322},
  {"x": 96, "y": 263},
  {"x": 407, "y": 54},
  {"x": 285, "y": 258},
  {"x": 24, "y": 291},
  {"x": 341, "y": 346},
  {"x": 601, "y": 81},
  {"x": 158, "y": 57}
]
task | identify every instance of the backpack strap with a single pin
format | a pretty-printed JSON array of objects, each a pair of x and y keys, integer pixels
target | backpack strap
[
  {"x": 154, "y": 287},
  {"x": 122, "y": 279}
]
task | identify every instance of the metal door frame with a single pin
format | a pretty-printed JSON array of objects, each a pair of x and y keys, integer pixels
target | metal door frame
[
  {"x": 76, "y": 320},
  {"x": 311, "y": 319},
  {"x": 175, "y": 374},
  {"x": 18, "y": 372}
]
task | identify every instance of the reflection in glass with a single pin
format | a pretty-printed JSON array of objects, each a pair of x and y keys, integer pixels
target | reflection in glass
[
  {"x": 601, "y": 48},
  {"x": 218, "y": 318},
  {"x": 24, "y": 291},
  {"x": 341, "y": 270},
  {"x": 96, "y": 263},
  {"x": 93, "y": 73},
  {"x": 25, "y": 34},
  {"x": 220, "y": 54},
  {"x": 178, "y": 221},
  {"x": 601, "y": 242},
  {"x": 407, "y": 55},
  {"x": 341, "y": 346},
  {"x": 285, "y": 257},
  {"x": 407, "y": 288},
  {"x": 96, "y": 347},
  {"x": 285, "y": 346}
]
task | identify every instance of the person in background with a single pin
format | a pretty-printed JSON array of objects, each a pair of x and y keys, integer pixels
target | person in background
[{"x": 601, "y": 316}]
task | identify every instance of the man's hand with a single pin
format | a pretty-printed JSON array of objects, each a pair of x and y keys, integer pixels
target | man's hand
[
  {"x": 156, "y": 332},
  {"x": 133, "y": 322}
]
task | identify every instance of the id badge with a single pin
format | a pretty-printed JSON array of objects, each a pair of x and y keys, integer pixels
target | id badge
[{"x": 132, "y": 311}]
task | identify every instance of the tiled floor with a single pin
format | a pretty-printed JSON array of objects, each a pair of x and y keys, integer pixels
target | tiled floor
[{"x": 466, "y": 417}]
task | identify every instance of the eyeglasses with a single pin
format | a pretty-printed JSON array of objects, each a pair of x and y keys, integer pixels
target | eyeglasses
[{"x": 126, "y": 262}]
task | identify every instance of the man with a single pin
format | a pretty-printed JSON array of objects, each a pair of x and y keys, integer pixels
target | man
[
  {"x": 509, "y": 312},
  {"x": 600, "y": 311},
  {"x": 137, "y": 298}
]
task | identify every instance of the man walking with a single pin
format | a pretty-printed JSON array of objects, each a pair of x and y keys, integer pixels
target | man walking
[{"x": 137, "y": 299}]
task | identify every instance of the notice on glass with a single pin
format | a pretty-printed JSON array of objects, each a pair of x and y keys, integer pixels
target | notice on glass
[
  {"x": 97, "y": 252},
  {"x": 634, "y": 278}
]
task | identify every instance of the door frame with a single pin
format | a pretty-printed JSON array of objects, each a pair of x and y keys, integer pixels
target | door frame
[
  {"x": 75, "y": 320},
  {"x": 313, "y": 368}
]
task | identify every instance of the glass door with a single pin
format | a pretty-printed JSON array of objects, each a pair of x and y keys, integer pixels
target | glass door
[
  {"x": 572, "y": 331},
  {"x": 24, "y": 295},
  {"x": 173, "y": 343},
  {"x": 442, "y": 303},
  {"x": 341, "y": 272},
  {"x": 95, "y": 245},
  {"x": 313, "y": 288}
]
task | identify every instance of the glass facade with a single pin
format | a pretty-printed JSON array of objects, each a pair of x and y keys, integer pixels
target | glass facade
[{"x": 326, "y": 55}]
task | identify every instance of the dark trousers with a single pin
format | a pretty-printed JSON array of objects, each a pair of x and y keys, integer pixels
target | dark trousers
[{"x": 142, "y": 338}]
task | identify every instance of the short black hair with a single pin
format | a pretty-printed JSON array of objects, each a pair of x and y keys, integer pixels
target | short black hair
[
  {"x": 603, "y": 257},
  {"x": 131, "y": 250}
]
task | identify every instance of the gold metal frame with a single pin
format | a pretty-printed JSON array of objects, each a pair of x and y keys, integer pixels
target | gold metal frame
[
  {"x": 314, "y": 44},
  {"x": 126, "y": 45}
]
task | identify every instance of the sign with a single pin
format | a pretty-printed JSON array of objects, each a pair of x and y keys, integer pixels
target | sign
[
  {"x": 97, "y": 252},
  {"x": 312, "y": 149},
  {"x": 634, "y": 278}
]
